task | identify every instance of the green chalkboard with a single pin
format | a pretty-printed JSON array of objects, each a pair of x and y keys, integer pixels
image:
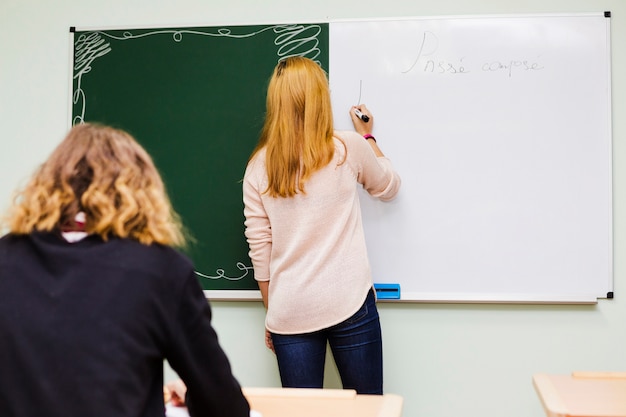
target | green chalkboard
[{"x": 195, "y": 99}]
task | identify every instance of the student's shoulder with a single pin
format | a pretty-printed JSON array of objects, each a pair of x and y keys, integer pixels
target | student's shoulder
[
  {"x": 8, "y": 237},
  {"x": 4, "y": 243},
  {"x": 14, "y": 241},
  {"x": 154, "y": 256}
]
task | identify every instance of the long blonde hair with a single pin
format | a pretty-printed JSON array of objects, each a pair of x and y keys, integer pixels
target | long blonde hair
[
  {"x": 298, "y": 130},
  {"x": 106, "y": 174}
]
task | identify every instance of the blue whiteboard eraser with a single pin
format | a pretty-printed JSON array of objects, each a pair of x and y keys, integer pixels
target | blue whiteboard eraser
[{"x": 387, "y": 291}]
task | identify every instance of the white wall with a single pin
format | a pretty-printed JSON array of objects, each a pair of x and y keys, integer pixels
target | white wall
[{"x": 445, "y": 359}]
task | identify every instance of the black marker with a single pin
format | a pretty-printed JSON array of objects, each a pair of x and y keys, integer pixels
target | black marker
[{"x": 361, "y": 116}]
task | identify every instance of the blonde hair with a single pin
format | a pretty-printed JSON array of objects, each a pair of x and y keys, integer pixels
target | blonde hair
[
  {"x": 298, "y": 130},
  {"x": 106, "y": 174}
]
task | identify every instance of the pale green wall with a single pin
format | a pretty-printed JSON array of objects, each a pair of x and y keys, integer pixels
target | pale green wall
[{"x": 445, "y": 359}]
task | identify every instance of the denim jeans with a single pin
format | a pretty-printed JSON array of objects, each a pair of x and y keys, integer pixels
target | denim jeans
[{"x": 356, "y": 345}]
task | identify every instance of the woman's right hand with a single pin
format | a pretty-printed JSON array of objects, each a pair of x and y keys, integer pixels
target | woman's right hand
[{"x": 363, "y": 128}]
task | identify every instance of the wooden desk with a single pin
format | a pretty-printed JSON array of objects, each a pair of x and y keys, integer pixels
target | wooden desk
[
  {"x": 302, "y": 402},
  {"x": 582, "y": 394}
]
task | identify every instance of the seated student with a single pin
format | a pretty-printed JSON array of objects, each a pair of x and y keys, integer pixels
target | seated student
[{"x": 93, "y": 297}]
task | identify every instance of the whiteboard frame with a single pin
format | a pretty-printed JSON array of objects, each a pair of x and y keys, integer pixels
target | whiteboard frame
[{"x": 519, "y": 297}]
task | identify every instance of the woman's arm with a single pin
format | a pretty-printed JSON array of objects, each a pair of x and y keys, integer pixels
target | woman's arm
[
  {"x": 264, "y": 288},
  {"x": 365, "y": 128}
]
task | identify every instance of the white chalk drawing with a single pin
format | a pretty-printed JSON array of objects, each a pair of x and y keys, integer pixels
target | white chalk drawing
[
  {"x": 292, "y": 40},
  {"x": 221, "y": 274},
  {"x": 87, "y": 48}
]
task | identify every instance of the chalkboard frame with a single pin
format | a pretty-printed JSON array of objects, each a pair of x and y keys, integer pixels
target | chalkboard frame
[{"x": 194, "y": 97}]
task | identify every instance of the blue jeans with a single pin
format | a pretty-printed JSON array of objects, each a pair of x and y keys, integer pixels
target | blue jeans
[{"x": 356, "y": 345}]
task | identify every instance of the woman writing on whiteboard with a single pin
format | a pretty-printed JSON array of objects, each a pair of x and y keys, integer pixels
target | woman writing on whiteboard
[
  {"x": 93, "y": 296},
  {"x": 303, "y": 226}
]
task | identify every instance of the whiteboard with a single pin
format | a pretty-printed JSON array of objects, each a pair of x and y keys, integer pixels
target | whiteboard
[{"x": 500, "y": 127}]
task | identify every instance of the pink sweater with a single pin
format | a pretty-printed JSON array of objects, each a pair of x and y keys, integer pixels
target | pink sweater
[{"x": 311, "y": 247}]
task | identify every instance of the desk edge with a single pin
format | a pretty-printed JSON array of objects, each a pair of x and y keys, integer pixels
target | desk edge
[
  {"x": 550, "y": 398},
  {"x": 392, "y": 406}
]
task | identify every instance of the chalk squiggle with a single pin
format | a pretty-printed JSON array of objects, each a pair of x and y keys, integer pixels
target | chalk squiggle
[
  {"x": 177, "y": 34},
  {"x": 221, "y": 274},
  {"x": 292, "y": 40},
  {"x": 298, "y": 40},
  {"x": 87, "y": 47}
]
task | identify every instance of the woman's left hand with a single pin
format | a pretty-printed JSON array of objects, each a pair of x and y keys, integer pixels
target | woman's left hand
[{"x": 268, "y": 340}]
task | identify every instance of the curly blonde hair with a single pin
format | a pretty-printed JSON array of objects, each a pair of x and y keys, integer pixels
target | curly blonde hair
[{"x": 106, "y": 174}]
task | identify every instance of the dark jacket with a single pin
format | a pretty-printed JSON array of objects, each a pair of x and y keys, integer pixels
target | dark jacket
[{"x": 85, "y": 327}]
